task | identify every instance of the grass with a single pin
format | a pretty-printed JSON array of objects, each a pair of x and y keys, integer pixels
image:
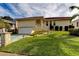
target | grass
[{"x": 52, "y": 44}]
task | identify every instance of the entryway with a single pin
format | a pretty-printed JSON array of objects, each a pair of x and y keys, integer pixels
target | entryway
[
  {"x": 60, "y": 28},
  {"x": 66, "y": 28},
  {"x": 51, "y": 26},
  {"x": 56, "y": 28}
]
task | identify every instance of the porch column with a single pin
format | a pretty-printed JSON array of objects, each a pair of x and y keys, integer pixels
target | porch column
[
  {"x": 3, "y": 30},
  {"x": 41, "y": 24}
]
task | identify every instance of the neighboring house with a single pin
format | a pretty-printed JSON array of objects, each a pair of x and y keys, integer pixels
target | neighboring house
[
  {"x": 31, "y": 24},
  {"x": 6, "y": 25},
  {"x": 75, "y": 22}
]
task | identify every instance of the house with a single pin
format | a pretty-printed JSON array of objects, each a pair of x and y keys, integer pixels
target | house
[
  {"x": 32, "y": 24},
  {"x": 29, "y": 25},
  {"x": 75, "y": 22}
]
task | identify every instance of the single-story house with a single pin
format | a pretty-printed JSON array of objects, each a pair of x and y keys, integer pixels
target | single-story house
[{"x": 31, "y": 24}]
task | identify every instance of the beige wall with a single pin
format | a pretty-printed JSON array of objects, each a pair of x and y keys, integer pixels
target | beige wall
[
  {"x": 27, "y": 23},
  {"x": 29, "y": 26},
  {"x": 62, "y": 23},
  {"x": 75, "y": 24},
  {"x": 25, "y": 26},
  {"x": 46, "y": 27},
  {"x": 57, "y": 23},
  {"x": 33, "y": 26}
]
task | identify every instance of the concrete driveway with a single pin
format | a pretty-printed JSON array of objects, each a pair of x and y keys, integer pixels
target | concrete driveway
[
  {"x": 7, "y": 54},
  {"x": 17, "y": 37}
]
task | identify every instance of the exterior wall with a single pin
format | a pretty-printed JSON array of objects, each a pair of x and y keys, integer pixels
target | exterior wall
[
  {"x": 46, "y": 27},
  {"x": 75, "y": 24},
  {"x": 62, "y": 23},
  {"x": 29, "y": 26},
  {"x": 3, "y": 30},
  {"x": 25, "y": 26},
  {"x": 39, "y": 26},
  {"x": 27, "y": 23}
]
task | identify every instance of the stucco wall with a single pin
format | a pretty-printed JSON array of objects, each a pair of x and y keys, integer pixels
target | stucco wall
[
  {"x": 62, "y": 23},
  {"x": 57, "y": 23},
  {"x": 27, "y": 23},
  {"x": 75, "y": 24},
  {"x": 29, "y": 26},
  {"x": 25, "y": 26},
  {"x": 46, "y": 27}
]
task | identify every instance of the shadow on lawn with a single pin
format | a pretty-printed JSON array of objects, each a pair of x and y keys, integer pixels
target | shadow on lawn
[{"x": 51, "y": 45}]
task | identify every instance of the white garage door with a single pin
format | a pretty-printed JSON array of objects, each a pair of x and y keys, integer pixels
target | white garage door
[{"x": 24, "y": 30}]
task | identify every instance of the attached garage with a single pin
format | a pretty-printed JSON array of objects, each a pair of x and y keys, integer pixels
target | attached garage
[
  {"x": 26, "y": 26},
  {"x": 25, "y": 30}
]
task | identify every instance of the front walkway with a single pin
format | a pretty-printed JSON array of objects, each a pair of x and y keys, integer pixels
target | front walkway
[{"x": 7, "y": 54}]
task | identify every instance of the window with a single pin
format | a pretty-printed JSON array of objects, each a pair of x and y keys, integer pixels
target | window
[
  {"x": 77, "y": 24},
  {"x": 46, "y": 23},
  {"x": 38, "y": 22}
]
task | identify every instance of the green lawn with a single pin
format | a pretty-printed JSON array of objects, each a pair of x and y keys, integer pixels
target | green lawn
[{"x": 52, "y": 44}]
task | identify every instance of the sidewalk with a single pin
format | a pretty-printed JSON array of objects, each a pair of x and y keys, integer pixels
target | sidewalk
[{"x": 7, "y": 54}]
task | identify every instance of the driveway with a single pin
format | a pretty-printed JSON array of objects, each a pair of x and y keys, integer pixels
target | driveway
[
  {"x": 17, "y": 37},
  {"x": 7, "y": 54}
]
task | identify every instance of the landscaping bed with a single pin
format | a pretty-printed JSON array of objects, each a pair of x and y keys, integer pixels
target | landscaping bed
[{"x": 55, "y": 43}]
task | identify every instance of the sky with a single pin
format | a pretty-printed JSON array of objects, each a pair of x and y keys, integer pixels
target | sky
[{"x": 20, "y": 10}]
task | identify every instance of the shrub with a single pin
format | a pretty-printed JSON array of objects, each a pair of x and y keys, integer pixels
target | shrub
[
  {"x": 71, "y": 26},
  {"x": 38, "y": 32},
  {"x": 74, "y": 32},
  {"x": 14, "y": 31}
]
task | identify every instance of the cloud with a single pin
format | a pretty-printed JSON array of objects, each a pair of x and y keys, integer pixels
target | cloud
[{"x": 17, "y": 10}]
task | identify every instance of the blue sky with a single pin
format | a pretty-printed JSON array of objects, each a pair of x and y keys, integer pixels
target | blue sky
[{"x": 19, "y": 10}]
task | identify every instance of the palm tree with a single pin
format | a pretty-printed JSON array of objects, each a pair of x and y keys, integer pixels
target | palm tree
[{"x": 73, "y": 7}]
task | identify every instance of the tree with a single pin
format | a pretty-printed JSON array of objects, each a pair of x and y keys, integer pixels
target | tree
[
  {"x": 4, "y": 24},
  {"x": 73, "y": 7},
  {"x": 7, "y": 18}
]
